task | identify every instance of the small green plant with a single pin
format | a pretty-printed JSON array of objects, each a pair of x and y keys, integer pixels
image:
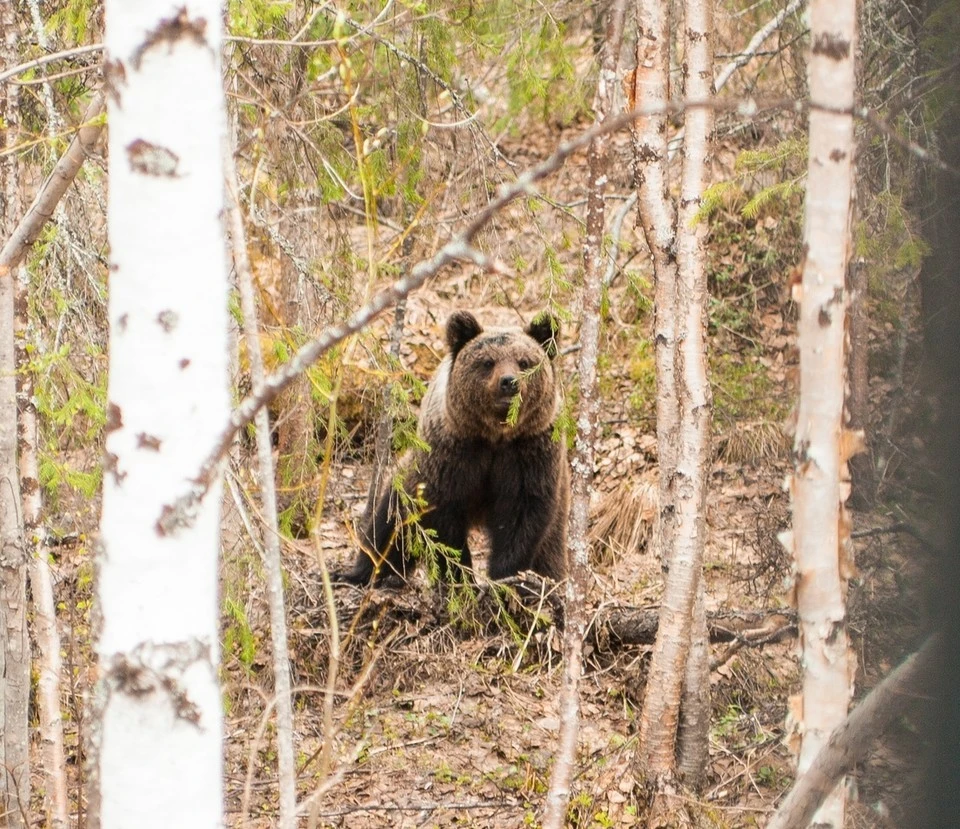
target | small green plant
[{"x": 239, "y": 639}]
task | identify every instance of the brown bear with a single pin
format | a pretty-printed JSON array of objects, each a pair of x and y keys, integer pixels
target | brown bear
[{"x": 488, "y": 417}]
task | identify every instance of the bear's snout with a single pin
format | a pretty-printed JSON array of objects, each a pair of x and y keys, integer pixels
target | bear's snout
[{"x": 509, "y": 385}]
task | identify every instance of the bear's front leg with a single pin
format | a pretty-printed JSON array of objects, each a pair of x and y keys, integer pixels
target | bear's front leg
[
  {"x": 527, "y": 518},
  {"x": 381, "y": 556}
]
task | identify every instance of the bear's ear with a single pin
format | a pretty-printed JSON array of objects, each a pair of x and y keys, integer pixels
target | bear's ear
[
  {"x": 461, "y": 328},
  {"x": 545, "y": 329}
]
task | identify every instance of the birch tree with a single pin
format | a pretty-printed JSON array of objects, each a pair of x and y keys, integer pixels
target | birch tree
[
  {"x": 157, "y": 748},
  {"x": 579, "y": 576},
  {"x": 820, "y": 538},
  {"x": 675, "y": 238},
  {"x": 15, "y": 650}
]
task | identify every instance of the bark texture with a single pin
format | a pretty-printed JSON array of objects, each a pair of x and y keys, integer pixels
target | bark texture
[
  {"x": 15, "y": 648},
  {"x": 157, "y": 742},
  {"x": 820, "y": 540},
  {"x": 578, "y": 571},
  {"x": 683, "y": 392}
]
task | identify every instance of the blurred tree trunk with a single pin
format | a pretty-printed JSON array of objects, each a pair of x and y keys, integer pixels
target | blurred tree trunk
[
  {"x": 679, "y": 669},
  {"x": 579, "y": 575},
  {"x": 157, "y": 747},
  {"x": 820, "y": 539},
  {"x": 863, "y": 471},
  {"x": 15, "y": 652}
]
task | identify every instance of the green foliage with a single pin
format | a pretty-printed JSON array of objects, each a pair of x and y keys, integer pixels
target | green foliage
[
  {"x": 257, "y": 18},
  {"x": 742, "y": 389},
  {"x": 72, "y": 413},
  {"x": 741, "y": 194},
  {"x": 642, "y": 370},
  {"x": 239, "y": 640},
  {"x": 72, "y": 19},
  {"x": 887, "y": 241}
]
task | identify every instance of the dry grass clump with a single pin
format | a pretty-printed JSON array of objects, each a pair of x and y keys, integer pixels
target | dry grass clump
[
  {"x": 622, "y": 522},
  {"x": 753, "y": 444}
]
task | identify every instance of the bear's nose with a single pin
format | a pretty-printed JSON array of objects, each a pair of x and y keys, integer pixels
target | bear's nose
[{"x": 509, "y": 384}]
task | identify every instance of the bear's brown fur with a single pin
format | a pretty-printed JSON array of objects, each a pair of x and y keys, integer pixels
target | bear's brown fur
[{"x": 490, "y": 465}]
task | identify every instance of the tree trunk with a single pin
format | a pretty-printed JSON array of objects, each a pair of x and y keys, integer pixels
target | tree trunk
[
  {"x": 579, "y": 575},
  {"x": 820, "y": 539},
  {"x": 683, "y": 394},
  {"x": 15, "y": 650},
  {"x": 268, "y": 503},
  {"x": 157, "y": 746},
  {"x": 50, "y": 665}
]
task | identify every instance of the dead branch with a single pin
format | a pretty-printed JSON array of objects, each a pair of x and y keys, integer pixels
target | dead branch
[
  {"x": 851, "y": 740},
  {"x": 41, "y": 211}
]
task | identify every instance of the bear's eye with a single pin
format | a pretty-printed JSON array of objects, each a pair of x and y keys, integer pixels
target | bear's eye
[
  {"x": 525, "y": 364},
  {"x": 487, "y": 363}
]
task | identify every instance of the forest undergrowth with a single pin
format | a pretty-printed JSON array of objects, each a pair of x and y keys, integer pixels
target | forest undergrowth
[{"x": 429, "y": 707}]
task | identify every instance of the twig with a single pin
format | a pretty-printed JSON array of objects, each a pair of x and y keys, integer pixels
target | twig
[
  {"x": 41, "y": 61},
  {"x": 755, "y": 43}
]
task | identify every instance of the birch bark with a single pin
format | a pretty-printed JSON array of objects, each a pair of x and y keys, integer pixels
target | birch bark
[
  {"x": 578, "y": 571},
  {"x": 157, "y": 747},
  {"x": 820, "y": 538},
  {"x": 675, "y": 238},
  {"x": 14, "y": 645}
]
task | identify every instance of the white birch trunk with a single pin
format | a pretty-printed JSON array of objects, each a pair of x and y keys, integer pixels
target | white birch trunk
[
  {"x": 49, "y": 665},
  {"x": 14, "y": 645},
  {"x": 578, "y": 571},
  {"x": 157, "y": 749},
  {"x": 683, "y": 392},
  {"x": 817, "y": 487}
]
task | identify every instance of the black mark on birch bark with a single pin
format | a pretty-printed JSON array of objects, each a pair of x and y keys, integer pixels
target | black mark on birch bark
[
  {"x": 114, "y": 418},
  {"x": 172, "y": 31},
  {"x": 152, "y": 160},
  {"x": 833, "y": 46},
  {"x": 151, "y": 442}
]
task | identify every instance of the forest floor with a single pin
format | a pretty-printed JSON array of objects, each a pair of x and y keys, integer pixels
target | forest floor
[{"x": 446, "y": 714}]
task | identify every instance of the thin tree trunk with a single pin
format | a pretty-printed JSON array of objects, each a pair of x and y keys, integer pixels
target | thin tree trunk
[
  {"x": 41, "y": 585},
  {"x": 56, "y": 804},
  {"x": 820, "y": 539},
  {"x": 579, "y": 576},
  {"x": 15, "y": 648},
  {"x": 658, "y": 220},
  {"x": 157, "y": 742},
  {"x": 695, "y": 397},
  {"x": 862, "y": 469},
  {"x": 268, "y": 503},
  {"x": 684, "y": 464}
]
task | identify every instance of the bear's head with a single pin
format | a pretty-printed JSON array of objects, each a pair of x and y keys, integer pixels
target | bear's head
[{"x": 500, "y": 382}]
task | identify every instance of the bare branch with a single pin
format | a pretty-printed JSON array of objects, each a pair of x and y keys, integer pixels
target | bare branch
[
  {"x": 755, "y": 43},
  {"x": 850, "y": 741},
  {"x": 460, "y": 248},
  {"x": 66, "y": 169},
  {"x": 52, "y": 58}
]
